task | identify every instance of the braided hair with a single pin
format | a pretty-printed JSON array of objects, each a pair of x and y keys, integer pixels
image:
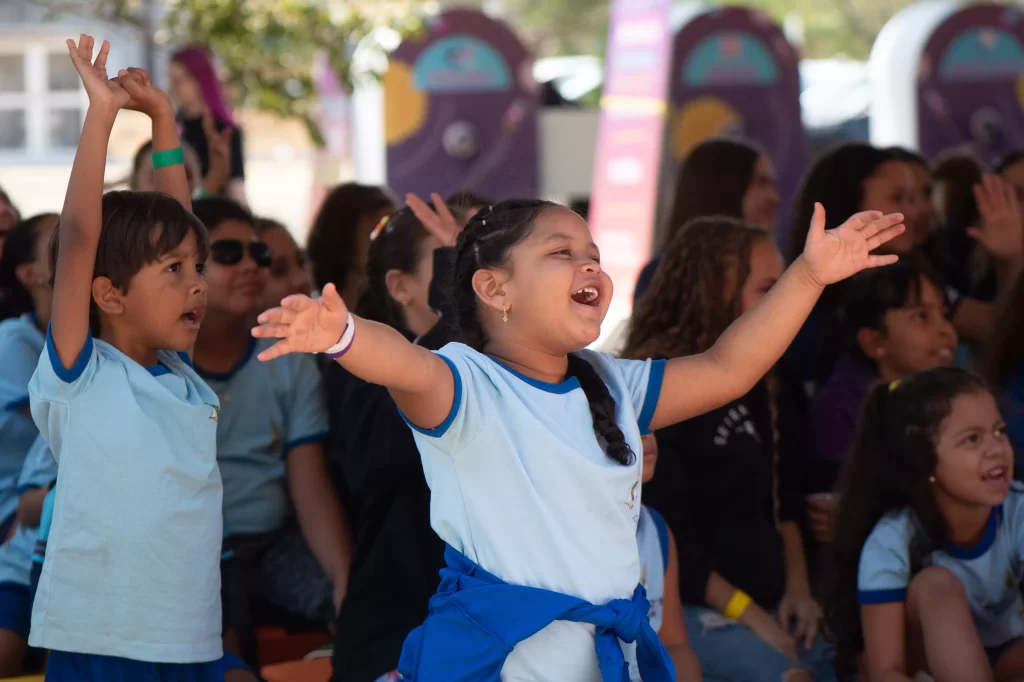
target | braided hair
[
  {"x": 487, "y": 242},
  {"x": 683, "y": 311}
]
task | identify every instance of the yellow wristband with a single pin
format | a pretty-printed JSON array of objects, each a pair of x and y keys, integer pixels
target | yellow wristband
[{"x": 737, "y": 606}]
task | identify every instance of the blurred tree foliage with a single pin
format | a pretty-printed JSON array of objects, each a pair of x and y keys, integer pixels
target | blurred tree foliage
[{"x": 266, "y": 49}]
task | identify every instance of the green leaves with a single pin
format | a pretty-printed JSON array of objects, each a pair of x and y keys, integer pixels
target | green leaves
[{"x": 265, "y": 48}]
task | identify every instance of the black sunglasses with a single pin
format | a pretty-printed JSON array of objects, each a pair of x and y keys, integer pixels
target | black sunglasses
[{"x": 232, "y": 251}]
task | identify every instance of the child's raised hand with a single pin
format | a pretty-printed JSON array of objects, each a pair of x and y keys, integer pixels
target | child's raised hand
[
  {"x": 303, "y": 324},
  {"x": 102, "y": 91},
  {"x": 145, "y": 98},
  {"x": 1001, "y": 232},
  {"x": 438, "y": 220},
  {"x": 834, "y": 255}
]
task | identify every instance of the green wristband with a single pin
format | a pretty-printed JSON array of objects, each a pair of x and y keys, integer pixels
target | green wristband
[{"x": 168, "y": 157}]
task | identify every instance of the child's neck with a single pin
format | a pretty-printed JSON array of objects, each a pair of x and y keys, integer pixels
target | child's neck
[
  {"x": 222, "y": 342},
  {"x": 967, "y": 522},
  {"x": 529, "y": 360},
  {"x": 129, "y": 344}
]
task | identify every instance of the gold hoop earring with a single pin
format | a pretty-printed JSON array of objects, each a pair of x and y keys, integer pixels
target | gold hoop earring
[{"x": 504, "y": 313}]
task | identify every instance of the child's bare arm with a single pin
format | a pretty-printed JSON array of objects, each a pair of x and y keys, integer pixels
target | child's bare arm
[
  {"x": 168, "y": 160},
  {"x": 82, "y": 216}
]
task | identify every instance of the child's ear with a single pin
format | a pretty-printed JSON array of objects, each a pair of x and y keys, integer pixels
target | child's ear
[
  {"x": 394, "y": 281},
  {"x": 489, "y": 286},
  {"x": 872, "y": 343},
  {"x": 107, "y": 296}
]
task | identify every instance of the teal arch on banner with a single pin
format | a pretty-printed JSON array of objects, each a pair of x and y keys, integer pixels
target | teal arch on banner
[
  {"x": 461, "y": 64},
  {"x": 982, "y": 53},
  {"x": 730, "y": 58}
]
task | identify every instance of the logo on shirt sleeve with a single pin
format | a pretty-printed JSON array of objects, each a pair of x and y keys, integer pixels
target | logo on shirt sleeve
[
  {"x": 216, "y": 413},
  {"x": 632, "y": 495}
]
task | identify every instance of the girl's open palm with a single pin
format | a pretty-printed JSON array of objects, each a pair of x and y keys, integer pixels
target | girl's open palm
[
  {"x": 834, "y": 255},
  {"x": 304, "y": 324},
  {"x": 101, "y": 90}
]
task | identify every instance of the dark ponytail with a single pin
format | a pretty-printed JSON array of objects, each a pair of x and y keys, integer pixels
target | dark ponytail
[
  {"x": 395, "y": 245},
  {"x": 19, "y": 248},
  {"x": 889, "y": 469},
  {"x": 486, "y": 242}
]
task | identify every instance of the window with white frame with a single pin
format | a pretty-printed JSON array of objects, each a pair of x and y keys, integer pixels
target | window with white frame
[{"x": 42, "y": 102}]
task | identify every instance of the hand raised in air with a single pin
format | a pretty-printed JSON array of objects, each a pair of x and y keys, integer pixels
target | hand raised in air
[
  {"x": 103, "y": 92},
  {"x": 834, "y": 255}
]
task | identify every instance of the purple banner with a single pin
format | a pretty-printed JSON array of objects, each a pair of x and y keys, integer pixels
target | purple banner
[
  {"x": 461, "y": 111},
  {"x": 971, "y": 83},
  {"x": 734, "y": 73}
]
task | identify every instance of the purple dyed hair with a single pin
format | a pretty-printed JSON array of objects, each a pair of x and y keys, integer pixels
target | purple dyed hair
[{"x": 198, "y": 63}]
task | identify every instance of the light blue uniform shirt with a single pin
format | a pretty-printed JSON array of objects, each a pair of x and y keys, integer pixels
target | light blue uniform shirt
[
  {"x": 991, "y": 572},
  {"x": 520, "y": 485},
  {"x": 39, "y": 471},
  {"x": 21, "y": 342},
  {"x": 266, "y": 409},
  {"x": 133, "y": 560}
]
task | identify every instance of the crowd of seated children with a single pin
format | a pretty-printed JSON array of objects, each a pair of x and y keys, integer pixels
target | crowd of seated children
[{"x": 323, "y": 509}]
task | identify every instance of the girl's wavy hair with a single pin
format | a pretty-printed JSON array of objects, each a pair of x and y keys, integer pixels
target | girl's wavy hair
[
  {"x": 684, "y": 310},
  {"x": 888, "y": 470},
  {"x": 487, "y": 242},
  {"x": 332, "y": 241}
]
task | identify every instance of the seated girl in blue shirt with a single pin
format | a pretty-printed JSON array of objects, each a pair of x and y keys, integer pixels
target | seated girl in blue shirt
[
  {"x": 929, "y": 548},
  {"x": 529, "y": 442}
]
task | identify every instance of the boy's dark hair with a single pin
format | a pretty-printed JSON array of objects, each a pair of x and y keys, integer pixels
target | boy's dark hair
[
  {"x": 213, "y": 211},
  {"x": 486, "y": 242},
  {"x": 836, "y": 180},
  {"x": 683, "y": 312},
  {"x": 138, "y": 228},
  {"x": 889, "y": 469},
  {"x": 711, "y": 182},
  {"x": 867, "y": 298},
  {"x": 19, "y": 248},
  {"x": 332, "y": 240},
  {"x": 396, "y": 247}
]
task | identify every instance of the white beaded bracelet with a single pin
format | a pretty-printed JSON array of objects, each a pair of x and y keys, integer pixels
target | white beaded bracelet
[{"x": 345, "y": 342}]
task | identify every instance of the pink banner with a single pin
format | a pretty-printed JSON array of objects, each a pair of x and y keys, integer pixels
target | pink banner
[{"x": 629, "y": 140}]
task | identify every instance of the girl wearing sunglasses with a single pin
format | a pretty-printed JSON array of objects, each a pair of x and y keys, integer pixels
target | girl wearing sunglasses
[{"x": 271, "y": 432}]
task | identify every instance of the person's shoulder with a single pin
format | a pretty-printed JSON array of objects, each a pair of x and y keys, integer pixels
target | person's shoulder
[
  {"x": 892, "y": 530},
  {"x": 21, "y": 333}
]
